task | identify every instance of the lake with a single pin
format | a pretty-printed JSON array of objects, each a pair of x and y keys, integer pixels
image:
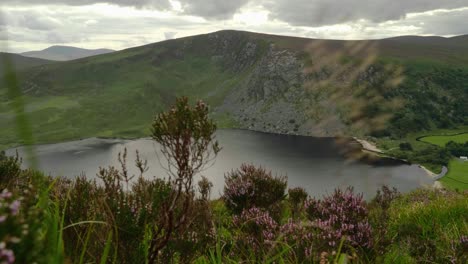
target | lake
[{"x": 317, "y": 164}]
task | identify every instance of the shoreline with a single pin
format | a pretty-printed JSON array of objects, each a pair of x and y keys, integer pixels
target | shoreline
[
  {"x": 368, "y": 146},
  {"x": 371, "y": 147}
]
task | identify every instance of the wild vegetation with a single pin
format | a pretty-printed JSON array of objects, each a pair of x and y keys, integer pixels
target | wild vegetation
[{"x": 122, "y": 218}]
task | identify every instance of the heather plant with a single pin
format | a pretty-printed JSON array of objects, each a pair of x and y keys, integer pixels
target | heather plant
[
  {"x": 341, "y": 216},
  {"x": 9, "y": 233},
  {"x": 251, "y": 186},
  {"x": 187, "y": 140},
  {"x": 28, "y": 232},
  {"x": 204, "y": 187},
  {"x": 257, "y": 231},
  {"x": 379, "y": 215},
  {"x": 297, "y": 197},
  {"x": 10, "y": 169},
  {"x": 300, "y": 237}
]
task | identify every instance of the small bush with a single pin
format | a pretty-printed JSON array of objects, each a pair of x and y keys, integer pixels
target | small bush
[
  {"x": 379, "y": 216},
  {"x": 342, "y": 215},
  {"x": 250, "y": 187},
  {"x": 297, "y": 197},
  {"x": 258, "y": 230},
  {"x": 405, "y": 146},
  {"x": 10, "y": 169}
]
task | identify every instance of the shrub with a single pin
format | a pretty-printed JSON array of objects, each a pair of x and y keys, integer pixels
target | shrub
[
  {"x": 187, "y": 140},
  {"x": 379, "y": 216},
  {"x": 342, "y": 215},
  {"x": 297, "y": 197},
  {"x": 301, "y": 240},
  {"x": 10, "y": 169},
  {"x": 250, "y": 187},
  {"x": 405, "y": 146},
  {"x": 258, "y": 230}
]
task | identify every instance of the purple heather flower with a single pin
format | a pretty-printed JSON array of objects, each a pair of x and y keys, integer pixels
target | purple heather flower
[
  {"x": 5, "y": 194},
  {"x": 7, "y": 256},
  {"x": 14, "y": 207}
]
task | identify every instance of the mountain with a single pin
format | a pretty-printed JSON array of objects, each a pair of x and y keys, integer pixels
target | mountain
[
  {"x": 19, "y": 62},
  {"x": 64, "y": 53},
  {"x": 262, "y": 82}
]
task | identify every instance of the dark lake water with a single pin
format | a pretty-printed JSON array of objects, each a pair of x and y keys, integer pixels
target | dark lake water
[{"x": 316, "y": 164}]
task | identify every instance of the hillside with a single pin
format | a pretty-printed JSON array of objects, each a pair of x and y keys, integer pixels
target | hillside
[
  {"x": 65, "y": 53},
  {"x": 256, "y": 81},
  {"x": 19, "y": 62}
]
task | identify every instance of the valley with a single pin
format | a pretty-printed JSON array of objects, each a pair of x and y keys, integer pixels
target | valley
[{"x": 385, "y": 90}]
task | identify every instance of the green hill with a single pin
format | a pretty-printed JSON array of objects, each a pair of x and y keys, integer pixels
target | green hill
[
  {"x": 254, "y": 81},
  {"x": 19, "y": 62},
  {"x": 65, "y": 53}
]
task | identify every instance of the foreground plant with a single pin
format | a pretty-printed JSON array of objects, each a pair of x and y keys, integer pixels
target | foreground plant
[
  {"x": 251, "y": 186},
  {"x": 341, "y": 216},
  {"x": 187, "y": 140}
]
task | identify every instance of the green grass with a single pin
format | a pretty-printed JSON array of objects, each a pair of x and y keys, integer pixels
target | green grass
[
  {"x": 418, "y": 141},
  {"x": 443, "y": 139},
  {"x": 457, "y": 176},
  {"x": 426, "y": 219},
  {"x": 95, "y": 100}
]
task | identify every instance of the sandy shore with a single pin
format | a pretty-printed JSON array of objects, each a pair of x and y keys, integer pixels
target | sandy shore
[
  {"x": 437, "y": 184},
  {"x": 366, "y": 145}
]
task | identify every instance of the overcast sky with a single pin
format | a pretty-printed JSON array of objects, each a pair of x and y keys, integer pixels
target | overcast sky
[{"x": 118, "y": 24}]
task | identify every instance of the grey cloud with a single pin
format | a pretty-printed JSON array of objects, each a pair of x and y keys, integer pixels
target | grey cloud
[
  {"x": 37, "y": 22},
  {"x": 329, "y": 12},
  {"x": 157, "y": 4},
  {"x": 453, "y": 23},
  {"x": 213, "y": 9},
  {"x": 210, "y": 9}
]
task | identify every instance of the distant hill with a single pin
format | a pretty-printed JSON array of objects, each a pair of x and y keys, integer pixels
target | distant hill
[
  {"x": 261, "y": 82},
  {"x": 20, "y": 62},
  {"x": 65, "y": 53}
]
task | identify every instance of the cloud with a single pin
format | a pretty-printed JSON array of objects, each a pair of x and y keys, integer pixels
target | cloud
[
  {"x": 212, "y": 9},
  {"x": 442, "y": 22},
  {"x": 35, "y": 22},
  {"x": 314, "y": 13},
  {"x": 34, "y": 27},
  {"x": 157, "y": 4},
  {"x": 209, "y": 9},
  {"x": 169, "y": 35}
]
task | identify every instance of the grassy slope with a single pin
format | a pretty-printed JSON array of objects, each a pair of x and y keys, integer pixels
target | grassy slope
[
  {"x": 20, "y": 62},
  {"x": 442, "y": 140},
  {"x": 457, "y": 177},
  {"x": 458, "y": 171},
  {"x": 64, "y": 53},
  {"x": 117, "y": 94}
]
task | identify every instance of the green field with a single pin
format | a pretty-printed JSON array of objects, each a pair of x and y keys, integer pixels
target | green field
[
  {"x": 444, "y": 139},
  {"x": 457, "y": 177}
]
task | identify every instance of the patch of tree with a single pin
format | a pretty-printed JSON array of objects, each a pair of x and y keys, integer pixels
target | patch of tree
[
  {"x": 406, "y": 146},
  {"x": 428, "y": 155},
  {"x": 434, "y": 98},
  {"x": 457, "y": 149}
]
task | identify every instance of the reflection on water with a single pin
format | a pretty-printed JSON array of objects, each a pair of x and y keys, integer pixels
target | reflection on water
[{"x": 313, "y": 163}]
